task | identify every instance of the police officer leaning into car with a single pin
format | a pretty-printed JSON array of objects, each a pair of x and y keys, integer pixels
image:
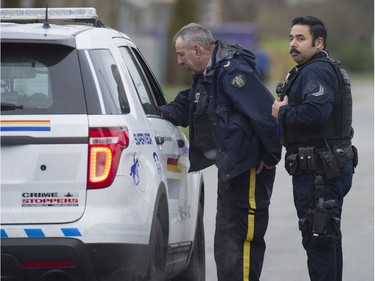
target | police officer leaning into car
[
  {"x": 314, "y": 114},
  {"x": 228, "y": 111}
]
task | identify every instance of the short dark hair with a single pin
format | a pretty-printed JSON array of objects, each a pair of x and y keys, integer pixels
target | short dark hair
[{"x": 317, "y": 27}]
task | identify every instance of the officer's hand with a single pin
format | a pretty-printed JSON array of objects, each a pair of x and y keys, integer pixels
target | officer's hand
[
  {"x": 263, "y": 165},
  {"x": 277, "y": 104}
]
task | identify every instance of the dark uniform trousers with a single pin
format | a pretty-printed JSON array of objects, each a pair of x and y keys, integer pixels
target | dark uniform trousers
[
  {"x": 241, "y": 223},
  {"x": 324, "y": 263}
]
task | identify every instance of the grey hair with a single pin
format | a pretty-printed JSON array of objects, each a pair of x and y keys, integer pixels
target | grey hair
[{"x": 195, "y": 33}]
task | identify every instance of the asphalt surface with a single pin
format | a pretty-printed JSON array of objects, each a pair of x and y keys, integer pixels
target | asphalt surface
[{"x": 285, "y": 259}]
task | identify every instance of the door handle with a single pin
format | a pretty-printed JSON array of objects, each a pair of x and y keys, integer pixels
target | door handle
[
  {"x": 180, "y": 143},
  {"x": 159, "y": 140}
]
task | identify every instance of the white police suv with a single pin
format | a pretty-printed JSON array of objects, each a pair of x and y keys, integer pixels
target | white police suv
[{"x": 94, "y": 182}]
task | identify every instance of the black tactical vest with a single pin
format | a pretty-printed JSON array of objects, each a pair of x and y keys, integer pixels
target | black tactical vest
[
  {"x": 200, "y": 131},
  {"x": 339, "y": 124}
]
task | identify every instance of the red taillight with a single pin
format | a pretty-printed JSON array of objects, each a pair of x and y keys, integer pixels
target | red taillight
[{"x": 105, "y": 146}]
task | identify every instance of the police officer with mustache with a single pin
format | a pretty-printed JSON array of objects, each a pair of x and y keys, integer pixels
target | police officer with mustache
[{"x": 314, "y": 114}]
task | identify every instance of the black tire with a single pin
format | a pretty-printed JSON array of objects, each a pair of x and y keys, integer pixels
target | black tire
[
  {"x": 158, "y": 253},
  {"x": 196, "y": 270}
]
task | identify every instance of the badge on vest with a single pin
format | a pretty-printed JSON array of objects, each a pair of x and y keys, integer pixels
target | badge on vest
[{"x": 239, "y": 81}]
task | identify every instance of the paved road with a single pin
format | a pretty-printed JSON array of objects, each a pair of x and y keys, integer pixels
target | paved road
[{"x": 285, "y": 258}]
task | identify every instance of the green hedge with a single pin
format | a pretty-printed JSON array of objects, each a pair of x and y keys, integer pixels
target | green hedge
[{"x": 356, "y": 57}]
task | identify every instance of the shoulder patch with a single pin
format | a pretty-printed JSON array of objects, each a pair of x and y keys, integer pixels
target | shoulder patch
[{"x": 238, "y": 81}]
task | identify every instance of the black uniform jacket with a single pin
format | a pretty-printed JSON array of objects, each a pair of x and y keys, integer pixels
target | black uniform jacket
[
  {"x": 238, "y": 110},
  {"x": 311, "y": 97}
]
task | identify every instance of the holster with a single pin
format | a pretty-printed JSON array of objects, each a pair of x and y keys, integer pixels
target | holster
[{"x": 319, "y": 227}]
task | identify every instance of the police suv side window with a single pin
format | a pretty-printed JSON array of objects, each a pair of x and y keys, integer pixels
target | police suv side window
[
  {"x": 111, "y": 85},
  {"x": 154, "y": 85},
  {"x": 139, "y": 81}
]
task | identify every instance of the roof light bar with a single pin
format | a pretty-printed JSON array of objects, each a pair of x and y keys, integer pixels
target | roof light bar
[{"x": 53, "y": 13}]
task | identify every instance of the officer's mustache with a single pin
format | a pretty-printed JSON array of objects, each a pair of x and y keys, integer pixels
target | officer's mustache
[{"x": 294, "y": 50}]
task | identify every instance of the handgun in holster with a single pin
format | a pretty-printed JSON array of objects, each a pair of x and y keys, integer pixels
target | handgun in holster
[{"x": 319, "y": 226}]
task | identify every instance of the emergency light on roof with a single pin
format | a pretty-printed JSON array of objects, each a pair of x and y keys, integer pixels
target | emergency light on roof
[{"x": 53, "y": 13}]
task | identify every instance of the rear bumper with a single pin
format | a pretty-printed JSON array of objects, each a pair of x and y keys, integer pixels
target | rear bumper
[{"x": 68, "y": 259}]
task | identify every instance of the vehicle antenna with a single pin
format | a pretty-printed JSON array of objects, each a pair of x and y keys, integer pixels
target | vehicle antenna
[{"x": 46, "y": 24}]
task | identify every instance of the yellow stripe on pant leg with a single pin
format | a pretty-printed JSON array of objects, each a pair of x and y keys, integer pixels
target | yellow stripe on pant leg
[
  {"x": 250, "y": 227},
  {"x": 252, "y": 189}
]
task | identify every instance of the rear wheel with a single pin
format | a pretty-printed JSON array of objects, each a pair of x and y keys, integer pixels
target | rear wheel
[
  {"x": 157, "y": 257},
  {"x": 196, "y": 270}
]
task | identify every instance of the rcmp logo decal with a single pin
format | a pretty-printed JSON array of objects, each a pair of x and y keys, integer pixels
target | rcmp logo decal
[
  {"x": 239, "y": 81},
  {"x": 137, "y": 172},
  {"x": 134, "y": 170}
]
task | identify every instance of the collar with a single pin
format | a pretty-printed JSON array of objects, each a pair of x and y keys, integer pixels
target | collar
[
  {"x": 319, "y": 55},
  {"x": 208, "y": 67}
]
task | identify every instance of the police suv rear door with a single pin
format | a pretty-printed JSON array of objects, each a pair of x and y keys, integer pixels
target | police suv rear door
[{"x": 44, "y": 130}]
